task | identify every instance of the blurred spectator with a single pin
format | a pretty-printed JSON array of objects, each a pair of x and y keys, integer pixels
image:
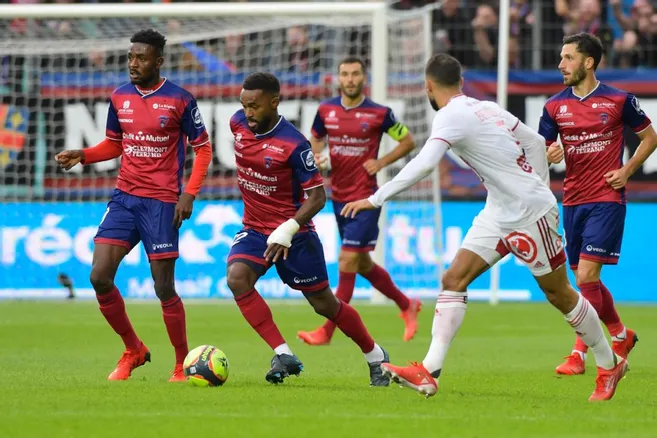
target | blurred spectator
[
  {"x": 452, "y": 32},
  {"x": 638, "y": 44}
]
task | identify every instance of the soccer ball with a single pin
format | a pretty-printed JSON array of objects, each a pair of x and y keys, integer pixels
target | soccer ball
[{"x": 206, "y": 366}]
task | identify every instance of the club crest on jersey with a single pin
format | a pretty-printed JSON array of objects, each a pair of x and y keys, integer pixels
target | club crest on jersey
[
  {"x": 364, "y": 126},
  {"x": 163, "y": 121},
  {"x": 522, "y": 245},
  {"x": 268, "y": 162},
  {"x": 604, "y": 118}
]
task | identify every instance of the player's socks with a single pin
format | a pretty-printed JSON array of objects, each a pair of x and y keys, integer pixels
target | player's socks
[
  {"x": 173, "y": 312},
  {"x": 584, "y": 320},
  {"x": 112, "y": 307},
  {"x": 258, "y": 314},
  {"x": 283, "y": 349},
  {"x": 450, "y": 311},
  {"x": 380, "y": 279},
  {"x": 349, "y": 322},
  {"x": 344, "y": 293},
  {"x": 610, "y": 317},
  {"x": 593, "y": 294}
]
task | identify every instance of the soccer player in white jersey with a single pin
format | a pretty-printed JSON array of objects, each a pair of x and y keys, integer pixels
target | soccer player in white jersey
[{"x": 520, "y": 216}]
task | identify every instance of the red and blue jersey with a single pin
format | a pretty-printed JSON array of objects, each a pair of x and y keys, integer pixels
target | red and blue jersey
[
  {"x": 353, "y": 137},
  {"x": 273, "y": 171},
  {"x": 154, "y": 127},
  {"x": 591, "y": 130}
]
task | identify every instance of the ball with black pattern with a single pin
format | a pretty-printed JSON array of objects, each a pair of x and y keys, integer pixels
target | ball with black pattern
[{"x": 206, "y": 366}]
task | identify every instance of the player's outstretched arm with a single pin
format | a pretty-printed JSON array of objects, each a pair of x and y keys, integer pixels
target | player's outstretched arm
[
  {"x": 105, "y": 150},
  {"x": 618, "y": 178},
  {"x": 280, "y": 240},
  {"x": 404, "y": 147},
  {"x": 418, "y": 168}
]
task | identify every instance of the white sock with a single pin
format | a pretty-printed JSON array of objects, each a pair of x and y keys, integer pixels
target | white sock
[
  {"x": 283, "y": 349},
  {"x": 621, "y": 336},
  {"x": 584, "y": 320},
  {"x": 581, "y": 354},
  {"x": 376, "y": 355},
  {"x": 450, "y": 310}
]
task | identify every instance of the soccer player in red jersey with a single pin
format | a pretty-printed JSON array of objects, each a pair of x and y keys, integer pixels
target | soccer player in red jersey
[
  {"x": 590, "y": 117},
  {"x": 149, "y": 122},
  {"x": 282, "y": 191},
  {"x": 354, "y": 126}
]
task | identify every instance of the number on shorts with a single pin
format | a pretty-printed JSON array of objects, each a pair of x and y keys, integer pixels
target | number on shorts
[{"x": 239, "y": 236}]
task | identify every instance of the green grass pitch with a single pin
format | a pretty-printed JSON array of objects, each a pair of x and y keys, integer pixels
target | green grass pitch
[{"x": 498, "y": 379}]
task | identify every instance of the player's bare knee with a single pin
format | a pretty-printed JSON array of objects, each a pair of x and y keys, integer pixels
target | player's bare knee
[
  {"x": 324, "y": 303},
  {"x": 239, "y": 281},
  {"x": 348, "y": 261},
  {"x": 584, "y": 276},
  {"x": 165, "y": 290},
  {"x": 365, "y": 264},
  {"x": 102, "y": 282},
  {"x": 455, "y": 281}
]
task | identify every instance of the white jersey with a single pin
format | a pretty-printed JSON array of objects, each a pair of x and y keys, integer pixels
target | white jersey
[
  {"x": 481, "y": 133},
  {"x": 508, "y": 157}
]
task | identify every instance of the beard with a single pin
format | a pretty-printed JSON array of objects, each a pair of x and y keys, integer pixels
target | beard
[
  {"x": 433, "y": 104},
  {"x": 357, "y": 91},
  {"x": 576, "y": 77},
  {"x": 262, "y": 126}
]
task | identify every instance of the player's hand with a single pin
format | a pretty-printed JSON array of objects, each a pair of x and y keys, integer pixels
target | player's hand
[
  {"x": 321, "y": 161},
  {"x": 183, "y": 209},
  {"x": 372, "y": 166},
  {"x": 555, "y": 153},
  {"x": 280, "y": 240},
  {"x": 353, "y": 208},
  {"x": 68, "y": 159},
  {"x": 617, "y": 178}
]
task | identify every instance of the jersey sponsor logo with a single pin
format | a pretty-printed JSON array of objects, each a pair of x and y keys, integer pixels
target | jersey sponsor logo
[
  {"x": 298, "y": 280},
  {"x": 591, "y": 248},
  {"x": 348, "y": 151},
  {"x": 522, "y": 245},
  {"x": 126, "y": 121},
  {"x": 332, "y": 126},
  {"x": 198, "y": 119},
  {"x": 271, "y": 147},
  {"x": 141, "y": 151},
  {"x": 365, "y": 115},
  {"x": 566, "y": 124},
  {"x": 563, "y": 112},
  {"x": 163, "y": 106},
  {"x": 126, "y": 108},
  {"x": 308, "y": 159},
  {"x": 255, "y": 174},
  {"x": 157, "y": 246},
  {"x": 585, "y": 136},
  {"x": 603, "y": 105},
  {"x": 140, "y": 136},
  {"x": 261, "y": 189},
  {"x": 238, "y": 141}
]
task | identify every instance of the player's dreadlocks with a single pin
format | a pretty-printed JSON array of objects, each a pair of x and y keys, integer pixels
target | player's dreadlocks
[
  {"x": 152, "y": 38},
  {"x": 266, "y": 82}
]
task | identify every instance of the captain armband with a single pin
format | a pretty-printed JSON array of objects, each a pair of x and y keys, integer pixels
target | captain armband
[{"x": 397, "y": 131}]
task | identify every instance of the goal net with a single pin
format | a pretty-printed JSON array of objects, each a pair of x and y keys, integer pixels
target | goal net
[{"x": 60, "y": 65}]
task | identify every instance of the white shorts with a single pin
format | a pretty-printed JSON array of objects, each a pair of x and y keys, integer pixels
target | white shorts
[{"x": 538, "y": 245}]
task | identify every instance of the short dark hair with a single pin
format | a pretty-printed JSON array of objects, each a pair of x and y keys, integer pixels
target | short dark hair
[
  {"x": 352, "y": 60},
  {"x": 587, "y": 44},
  {"x": 444, "y": 69},
  {"x": 152, "y": 38},
  {"x": 264, "y": 81}
]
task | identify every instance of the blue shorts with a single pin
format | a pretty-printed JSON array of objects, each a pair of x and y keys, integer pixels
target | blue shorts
[
  {"x": 129, "y": 219},
  {"x": 594, "y": 232},
  {"x": 304, "y": 269},
  {"x": 360, "y": 233}
]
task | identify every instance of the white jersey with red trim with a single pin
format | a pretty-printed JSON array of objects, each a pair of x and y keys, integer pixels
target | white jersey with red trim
[{"x": 486, "y": 138}]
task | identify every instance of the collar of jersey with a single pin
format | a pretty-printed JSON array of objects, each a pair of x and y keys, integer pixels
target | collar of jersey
[
  {"x": 280, "y": 119},
  {"x": 572, "y": 91},
  {"x": 150, "y": 93},
  {"x": 347, "y": 108}
]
